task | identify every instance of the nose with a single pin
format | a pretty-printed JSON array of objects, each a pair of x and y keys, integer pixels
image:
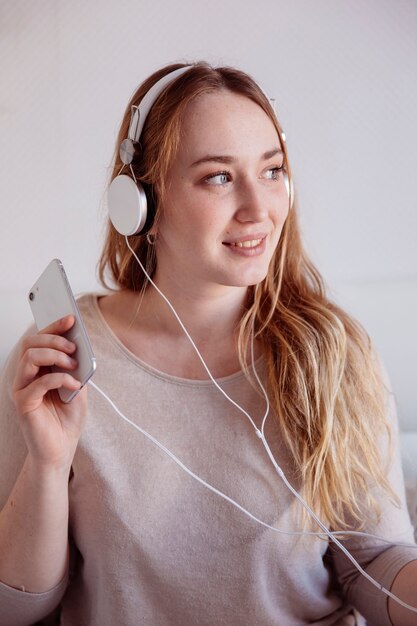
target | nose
[{"x": 251, "y": 203}]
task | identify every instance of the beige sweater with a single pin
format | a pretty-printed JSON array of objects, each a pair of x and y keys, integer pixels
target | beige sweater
[{"x": 151, "y": 546}]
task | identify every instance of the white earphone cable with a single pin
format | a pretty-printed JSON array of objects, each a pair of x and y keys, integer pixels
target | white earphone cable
[
  {"x": 190, "y": 339},
  {"x": 261, "y": 434},
  {"x": 226, "y": 497}
]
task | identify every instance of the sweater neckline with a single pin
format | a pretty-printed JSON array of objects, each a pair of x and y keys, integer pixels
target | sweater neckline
[{"x": 111, "y": 335}]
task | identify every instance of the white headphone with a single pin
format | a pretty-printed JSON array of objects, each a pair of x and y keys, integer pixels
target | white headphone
[{"x": 126, "y": 198}]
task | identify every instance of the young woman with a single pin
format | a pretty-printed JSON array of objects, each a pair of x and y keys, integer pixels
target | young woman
[{"x": 95, "y": 516}]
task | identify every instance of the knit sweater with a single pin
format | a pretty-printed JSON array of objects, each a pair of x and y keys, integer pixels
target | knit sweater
[{"x": 152, "y": 546}]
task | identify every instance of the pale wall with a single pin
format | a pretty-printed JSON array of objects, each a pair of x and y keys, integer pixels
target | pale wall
[{"x": 344, "y": 76}]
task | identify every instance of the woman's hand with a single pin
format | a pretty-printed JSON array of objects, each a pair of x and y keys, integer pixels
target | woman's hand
[{"x": 50, "y": 427}]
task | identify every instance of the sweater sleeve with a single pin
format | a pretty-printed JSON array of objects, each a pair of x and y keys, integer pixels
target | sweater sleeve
[
  {"x": 17, "y": 607},
  {"x": 382, "y": 561}
]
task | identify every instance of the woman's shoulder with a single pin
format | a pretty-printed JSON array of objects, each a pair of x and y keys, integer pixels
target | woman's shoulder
[
  {"x": 109, "y": 321},
  {"x": 96, "y": 324},
  {"x": 105, "y": 305},
  {"x": 90, "y": 307}
]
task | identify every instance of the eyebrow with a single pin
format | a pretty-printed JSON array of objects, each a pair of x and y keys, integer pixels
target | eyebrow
[{"x": 223, "y": 158}]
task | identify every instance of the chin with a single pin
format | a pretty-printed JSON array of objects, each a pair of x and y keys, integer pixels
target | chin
[{"x": 246, "y": 280}]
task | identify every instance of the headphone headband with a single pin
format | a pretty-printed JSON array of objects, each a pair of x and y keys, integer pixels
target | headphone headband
[{"x": 140, "y": 112}]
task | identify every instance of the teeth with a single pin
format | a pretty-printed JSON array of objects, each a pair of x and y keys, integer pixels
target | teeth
[{"x": 248, "y": 244}]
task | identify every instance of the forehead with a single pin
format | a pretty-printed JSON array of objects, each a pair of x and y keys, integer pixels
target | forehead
[{"x": 226, "y": 122}]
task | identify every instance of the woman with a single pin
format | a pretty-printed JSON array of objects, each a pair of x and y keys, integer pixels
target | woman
[{"x": 147, "y": 543}]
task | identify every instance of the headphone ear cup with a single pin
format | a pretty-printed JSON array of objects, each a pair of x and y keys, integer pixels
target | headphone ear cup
[
  {"x": 151, "y": 207},
  {"x": 127, "y": 205}
]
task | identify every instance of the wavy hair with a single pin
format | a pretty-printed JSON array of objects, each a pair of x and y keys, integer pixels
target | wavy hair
[{"x": 323, "y": 380}]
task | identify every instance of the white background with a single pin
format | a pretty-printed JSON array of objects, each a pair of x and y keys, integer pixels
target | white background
[{"x": 344, "y": 74}]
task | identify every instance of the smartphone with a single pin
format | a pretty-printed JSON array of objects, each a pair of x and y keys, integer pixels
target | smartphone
[{"x": 51, "y": 298}]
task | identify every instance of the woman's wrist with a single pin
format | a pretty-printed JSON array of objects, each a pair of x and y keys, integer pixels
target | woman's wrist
[
  {"x": 34, "y": 527},
  {"x": 48, "y": 472}
]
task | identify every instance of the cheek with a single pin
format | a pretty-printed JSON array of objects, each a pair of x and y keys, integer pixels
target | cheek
[
  {"x": 187, "y": 221},
  {"x": 280, "y": 221},
  {"x": 284, "y": 206},
  {"x": 285, "y": 213},
  {"x": 202, "y": 217},
  {"x": 280, "y": 216}
]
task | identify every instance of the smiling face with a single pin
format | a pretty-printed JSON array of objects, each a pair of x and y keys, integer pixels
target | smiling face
[{"x": 226, "y": 201}]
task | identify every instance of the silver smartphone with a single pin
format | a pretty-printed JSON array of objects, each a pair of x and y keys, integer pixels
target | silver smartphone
[{"x": 51, "y": 298}]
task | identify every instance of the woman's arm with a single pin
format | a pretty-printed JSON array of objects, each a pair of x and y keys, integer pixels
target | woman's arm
[
  {"x": 404, "y": 587},
  {"x": 34, "y": 529},
  {"x": 34, "y": 521},
  {"x": 382, "y": 562}
]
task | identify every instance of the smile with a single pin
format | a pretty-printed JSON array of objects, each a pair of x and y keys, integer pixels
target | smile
[
  {"x": 247, "y": 244},
  {"x": 248, "y": 247}
]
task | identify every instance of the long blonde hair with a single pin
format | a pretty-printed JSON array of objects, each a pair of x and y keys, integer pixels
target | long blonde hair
[{"x": 323, "y": 382}]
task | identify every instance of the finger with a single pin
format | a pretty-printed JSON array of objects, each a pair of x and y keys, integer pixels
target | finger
[
  {"x": 35, "y": 358},
  {"x": 59, "y": 326},
  {"x": 31, "y": 397},
  {"x": 40, "y": 340}
]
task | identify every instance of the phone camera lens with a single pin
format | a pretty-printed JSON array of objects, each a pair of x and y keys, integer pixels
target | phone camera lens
[{"x": 31, "y": 296}]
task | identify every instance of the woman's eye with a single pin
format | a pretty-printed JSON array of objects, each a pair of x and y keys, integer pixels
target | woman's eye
[
  {"x": 273, "y": 173},
  {"x": 219, "y": 178}
]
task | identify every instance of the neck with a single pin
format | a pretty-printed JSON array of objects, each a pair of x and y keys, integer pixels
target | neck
[
  {"x": 148, "y": 328},
  {"x": 206, "y": 314}
]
